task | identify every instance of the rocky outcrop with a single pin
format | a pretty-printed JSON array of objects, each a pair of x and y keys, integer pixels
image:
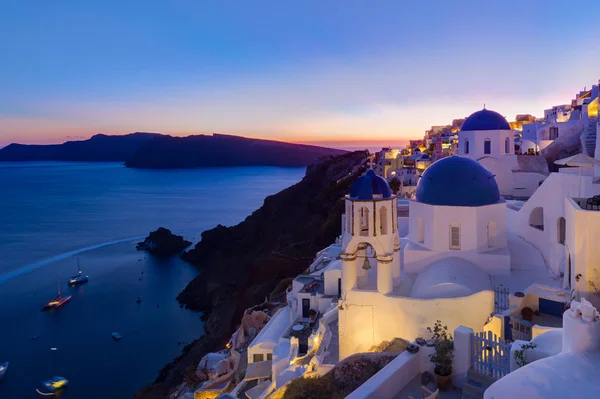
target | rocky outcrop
[
  {"x": 241, "y": 265},
  {"x": 163, "y": 243},
  {"x": 218, "y": 150}
]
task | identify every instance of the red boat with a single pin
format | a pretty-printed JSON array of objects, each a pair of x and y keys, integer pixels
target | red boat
[{"x": 58, "y": 301}]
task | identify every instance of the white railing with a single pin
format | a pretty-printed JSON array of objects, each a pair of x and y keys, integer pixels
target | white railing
[{"x": 521, "y": 329}]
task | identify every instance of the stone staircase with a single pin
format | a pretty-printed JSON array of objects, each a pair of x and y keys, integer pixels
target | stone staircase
[
  {"x": 588, "y": 138},
  {"x": 476, "y": 385}
]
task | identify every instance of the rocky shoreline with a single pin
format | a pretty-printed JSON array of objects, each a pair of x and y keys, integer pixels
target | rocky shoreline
[{"x": 241, "y": 265}]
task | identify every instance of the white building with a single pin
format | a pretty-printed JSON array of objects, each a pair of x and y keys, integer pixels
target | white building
[
  {"x": 486, "y": 137},
  {"x": 567, "y": 361},
  {"x": 454, "y": 248},
  {"x": 558, "y": 113}
]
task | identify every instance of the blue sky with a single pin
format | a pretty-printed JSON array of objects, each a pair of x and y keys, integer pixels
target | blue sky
[{"x": 296, "y": 71}]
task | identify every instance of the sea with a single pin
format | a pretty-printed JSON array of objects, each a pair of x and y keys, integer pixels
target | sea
[{"x": 54, "y": 215}]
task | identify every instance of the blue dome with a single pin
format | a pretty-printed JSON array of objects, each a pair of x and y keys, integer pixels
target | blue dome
[
  {"x": 457, "y": 181},
  {"x": 370, "y": 186},
  {"x": 485, "y": 120}
]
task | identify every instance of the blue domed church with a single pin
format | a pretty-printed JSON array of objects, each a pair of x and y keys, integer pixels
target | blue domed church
[
  {"x": 458, "y": 212},
  {"x": 486, "y": 137}
]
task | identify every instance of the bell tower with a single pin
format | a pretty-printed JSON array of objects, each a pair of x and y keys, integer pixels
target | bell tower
[{"x": 370, "y": 236}]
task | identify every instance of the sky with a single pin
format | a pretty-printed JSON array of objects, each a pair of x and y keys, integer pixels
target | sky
[{"x": 303, "y": 71}]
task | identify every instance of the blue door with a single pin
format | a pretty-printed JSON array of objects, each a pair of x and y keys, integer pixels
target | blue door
[
  {"x": 305, "y": 307},
  {"x": 551, "y": 308}
]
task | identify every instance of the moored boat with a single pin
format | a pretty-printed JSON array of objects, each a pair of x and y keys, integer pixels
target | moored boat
[
  {"x": 3, "y": 367},
  {"x": 58, "y": 301},
  {"x": 52, "y": 386},
  {"x": 79, "y": 278},
  {"x": 116, "y": 336}
]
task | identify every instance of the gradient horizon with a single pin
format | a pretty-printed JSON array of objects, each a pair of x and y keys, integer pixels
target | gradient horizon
[{"x": 309, "y": 72}]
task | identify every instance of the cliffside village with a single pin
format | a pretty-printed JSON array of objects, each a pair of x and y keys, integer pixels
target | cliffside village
[{"x": 467, "y": 267}]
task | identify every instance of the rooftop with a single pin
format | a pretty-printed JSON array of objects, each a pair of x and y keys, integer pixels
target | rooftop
[
  {"x": 312, "y": 284},
  {"x": 457, "y": 181},
  {"x": 370, "y": 187},
  {"x": 485, "y": 120}
]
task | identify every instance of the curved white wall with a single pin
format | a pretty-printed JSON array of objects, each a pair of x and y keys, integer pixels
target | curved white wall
[
  {"x": 502, "y": 174},
  {"x": 477, "y": 139},
  {"x": 369, "y": 318}
]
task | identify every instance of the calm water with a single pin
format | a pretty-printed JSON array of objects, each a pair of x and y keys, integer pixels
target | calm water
[{"x": 53, "y": 213}]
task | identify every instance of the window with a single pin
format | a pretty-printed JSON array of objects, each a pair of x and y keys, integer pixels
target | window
[
  {"x": 487, "y": 146},
  {"x": 562, "y": 227},
  {"x": 258, "y": 357},
  {"x": 420, "y": 231},
  {"x": 348, "y": 218},
  {"x": 553, "y": 133},
  {"x": 536, "y": 218},
  {"x": 491, "y": 233},
  {"x": 454, "y": 236},
  {"x": 383, "y": 219},
  {"x": 507, "y": 145},
  {"x": 269, "y": 356},
  {"x": 364, "y": 221},
  {"x": 466, "y": 146}
]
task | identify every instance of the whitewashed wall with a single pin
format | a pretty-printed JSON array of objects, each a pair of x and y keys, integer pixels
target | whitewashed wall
[
  {"x": 583, "y": 233},
  {"x": 477, "y": 139},
  {"x": 551, "y": 197},
  {"x": 474, "y": 246},
  {"x": 369, "y": 318}
]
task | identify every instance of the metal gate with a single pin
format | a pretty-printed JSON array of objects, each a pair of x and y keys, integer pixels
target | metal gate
[
  {"x": 520, "y": 328},
  {"x": 500, "y": 298},
  {"x": 490, "y": 356}
]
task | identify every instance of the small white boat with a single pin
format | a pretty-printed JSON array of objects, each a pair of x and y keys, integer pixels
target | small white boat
[
  {"x": 3, "y": 367},
  {"x": 116, "y": 336}
]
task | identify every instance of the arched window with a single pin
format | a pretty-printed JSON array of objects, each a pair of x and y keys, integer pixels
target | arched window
[
  {"x": 487, "y": 146},
  {"x": 420, "y": 231},
  {"x": 466, "y": 146},
  {"x": 491, "y": 233},
  {"x": 536, "y": 218},
  {"x": 507, "y": 145},
  {"x": 562, "y": 227},
  {"x": 364, "y": 221},
  {"x": 383, "y": 221},
  {"x": 454, "y": 236}
]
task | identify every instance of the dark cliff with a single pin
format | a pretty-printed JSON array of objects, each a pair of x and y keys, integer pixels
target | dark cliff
[
  {"x": 99, "y": 148},
  {"x": 241, "y": 265},
  {"x": 223, "y": 150}
]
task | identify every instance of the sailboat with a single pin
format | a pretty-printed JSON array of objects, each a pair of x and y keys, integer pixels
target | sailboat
[
  {"x": 79, "y": 278},
  {"x": 58, "y": 301}
]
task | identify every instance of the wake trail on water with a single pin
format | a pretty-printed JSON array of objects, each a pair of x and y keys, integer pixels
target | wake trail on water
[{"x": 33, "y": 266}]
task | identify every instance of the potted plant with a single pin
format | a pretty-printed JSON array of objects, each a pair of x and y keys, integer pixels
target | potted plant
[
  {"x": 312, "y": 315},
  {"x": 443, "y": 355}
]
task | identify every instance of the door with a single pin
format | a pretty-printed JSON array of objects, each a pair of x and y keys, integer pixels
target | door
[
  {"x": 340, "y": 287},
  {"x": 551, "y": 308},
  {"x": 305, "y": 307}
]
